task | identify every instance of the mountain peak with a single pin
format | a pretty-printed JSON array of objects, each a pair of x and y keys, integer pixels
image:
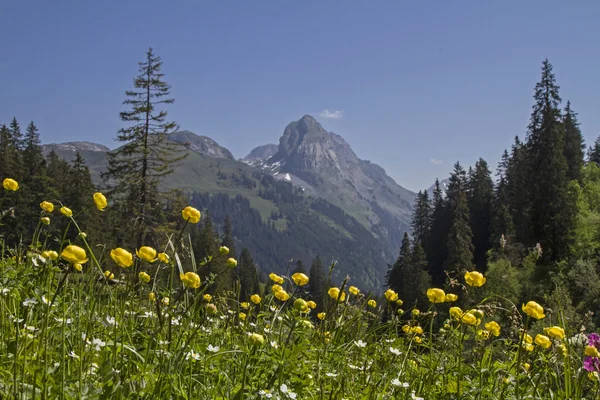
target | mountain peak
[{"x": 200, "y": 144}]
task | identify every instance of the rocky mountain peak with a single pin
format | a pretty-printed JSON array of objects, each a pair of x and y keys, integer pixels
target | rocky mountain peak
[
  {"x": 200, "y": 144},
  {"x": 260, "y": 154}
]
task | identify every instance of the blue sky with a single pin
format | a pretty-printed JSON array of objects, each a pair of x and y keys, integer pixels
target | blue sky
[{"x": 418, "y": 85}]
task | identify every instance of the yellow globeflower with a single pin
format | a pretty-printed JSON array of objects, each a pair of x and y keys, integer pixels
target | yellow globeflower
[
  {"x": 391, "y": 295},
  {"x": 321, "y": 315},
  {"x": 255, "y": 299},
  {"x": 592, "y": 351},
  {"x": 45, "y": 220},
  {"x": 231, "y": 262},
  {"x": 276, "y": 278},
  {"x": 416, "y": 330},
  {"x": 483, "y": 334},
  {"x": 372, "y": 303},
  {"x": 207, "y": 297},
  {"x": 78, "y": 267},
  {"x": 533, "y": 309},
  {"x": 190, "y": 279},
  {"x": 406, "y": 329},
  {"x": 164, "y": 257},
  {"x": 245, "y": 305},
  {"x": 475, "y": 278},
  {"x": 74, "y": 254},
  {"x": 493, "y": 328},
  {"x": 555, "y": 332},
  {"x": 282, "y": 295},
  {"x": 311, "y": 304},
  {"x": 300, "y": 279},
  {"x": 242, "y": 316},
  {"x": 146, "y": 253},
  {"x": 10, "y": 184},
  {"x": 257, "y": 338},
  {"x": 436, "y": 295},
  {"x": 456, "y": 312},
  {"x": 152, "y": 296},
  {"x": 100, "y": 201},
  {"x": 50, "y": 254},
  {"x": 526, "y": 338},
  {"x": 528, "y": 346},
  {"x": 66, "y": 211},
  {"x": 416, "y": 312},
  {"x": 224, "y": 250},
  {"x": 399, "y": 302},
  {"x": 121, "y": 257},
  {"x": 335, "y": 294},
  {"x": 191, "y": 214},
  {"x": 109, "y": 275},
  {"x": 301, "y": 305},
  {"x": 144, "y": 277},
  {"x": 166, "y": 301},
  {"x": 526, "y": 367},
  {"x": 276, "y": 288},
  {"x": 543, "y": 341},
  {"x": 450, "y": 297},
  {"x": 354, "y": 290},
  {"x": 47, "y": 206},
  {"x": 469, "y": 319}
]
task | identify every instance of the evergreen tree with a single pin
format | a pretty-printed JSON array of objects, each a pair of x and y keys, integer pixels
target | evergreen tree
[
  {"x": 459, "y": 243},
  {"x": 552, "y": 207},
  {"x": 299, "y": 268},
  {"x": 574, "y": 145},
  {"x": 135, "y": 169},
  {"x": 421, "y": 219},
  {"x": 228, "y": 237},
  {"x": 518, "y": 190},
  {"x": 316, "y": 284},
  {"x": 407, "y": 276},
  {"x": 481, "y": 196},
  {"x": 436, "y": 247},
  {"x": 594, "y": 152},
  {"x": 34, "y": 180},
  {"x": 247, "y": 275},
  {"x": 5, "y": 151},
  {"x": 502, "y": 224},
  {"x": 18, "y": 143}
]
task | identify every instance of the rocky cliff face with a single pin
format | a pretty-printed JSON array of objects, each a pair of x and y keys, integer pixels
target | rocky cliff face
[
  {"x": 260, "y": 154},
  {"x": 200, "y": 144}
]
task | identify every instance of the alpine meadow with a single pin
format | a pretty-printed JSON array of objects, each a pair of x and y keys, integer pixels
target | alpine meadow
[{"x": 165, "y": 268}]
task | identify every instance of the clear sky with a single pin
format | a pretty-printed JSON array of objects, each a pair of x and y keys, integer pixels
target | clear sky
[{"x": 412, "y": 85}]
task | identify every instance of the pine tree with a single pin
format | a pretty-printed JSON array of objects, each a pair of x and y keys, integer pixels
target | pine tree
[
  {"x": 316, "y": 284},
  {"x": 552, "y": 208},
  {"x": 421, "y": 219},
  {"x": 594, "y": 152},
  {"x": 247, "y": 275},
  {"x": 518, "y": 190},
  {"x": 34, "y": 179},
  {"x": 460, "y": 238},
  {"x": 5, "y": 151},
  {"x": 18, "y": 143},
  {"x": 299, "y": 268},
  {"x": 135, "y": 169},
  {"x": 481, "y": 196},
  {"x": 502, "y": 224},
  {"x": 228, "y": 237},
  {"x": 574, "y": 145},
  {"x": 436, "y": 247},
  {"x": 408, "y": 277}
]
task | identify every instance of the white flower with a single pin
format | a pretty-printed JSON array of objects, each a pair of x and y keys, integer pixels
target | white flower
[
  {"x": 284, "y": 389},
  {"x": 267, "y": 330},
  {"x": 331, "y": 375},
  {"x": 15, "y": 319},
  {"x": 45, "y": 299},
  {"x": 111, "y": 321},
  {"x": 72, "y": 354},
  {"x": 98, "y": 344},
  {"x": 273, "y": 308},
  {"x": 212, "y": 349},
  {"x": 395, "y": 351},
  {"x": 231, "y": 311},
  {"x": 274, "y": 345},
  {"x": 265, "y": 393},
  {"x": 396, "y": 382},
  {"x": 147, "y": 314},
  {"x": 175, "y": 322},
  {"x": 29, "y": 302},
  {"x": 413, "y": 397},
  {"x": 4, "y": 291},
  {"x": 252, "y": 324},
  {"x": 355, "y": 367},
  {"x": 389, "y": 340},
  {"x": 360, "y": 343},
  {"x": 193, "y": 355}
]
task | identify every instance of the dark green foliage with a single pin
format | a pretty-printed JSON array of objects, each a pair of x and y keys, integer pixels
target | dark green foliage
[
  {"x": 481, "y": 197},
  {"x": 594, "y": 152},
  {"x": 517, "y": 190},
  {"x": 421, "y": 220},
  {"x": 574, "y": 145},
  {"x": 299, "y": 268},
  {"x": 408, "y": 277},
  {"x": 502, "y": 224},
  {"x": 317, "y": 285},
  {"x": 436, "y": 247},
  {"x": 248, "y": 276}
]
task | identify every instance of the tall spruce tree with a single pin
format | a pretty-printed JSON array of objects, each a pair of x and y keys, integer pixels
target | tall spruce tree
[
  {"x": 317, "y": 284},
  {"x": 594, "y": 152},
  {"x": 407, "y": 275},
  {"x": 135, "y": 169},
  {"x": 5, "y": 151},
  {"x": 502, "y": 223},
  {"x": 421, "y": 219},
  {"x": 436, "y": 245},
  {"x": 247, "y": 275},
  {"x": 574, "y": 145},
  {"x": 459, "y": 243},
  {"x": 518, "y": 190},
  {"x": 481, "y": 197},
  {"x": 552, "y": 206}
]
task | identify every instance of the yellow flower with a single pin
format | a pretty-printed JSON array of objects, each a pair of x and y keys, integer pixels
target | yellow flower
[
  {"x": 321, "y": 315},
  {"x": 593, "y": 376},
  {"x": 528, "y": 346},
  {"x": 255, "y": 299},
  {"x": 311, "y": 304},
  {"x": 100, "y": 201},
  {"x": 78, "y": 267},
  {"x": 475, "y": 278},
  {"x": 456, "y": 312},
  {"x": 166, "y": 301},
  {"x": 483, "y": 334},
  {"x": 242, "y": 316},
  {"x": 543, "y": 341},
  {"x": 109, "y": 275},
  {"x": 526, "y": 367},
  {"x": 257, "y": 338},
  {"x": 245, "y": 305},
  {"x": 436, "y": 295},
  {"x": 400, "y": 311},
  {"x": 533, "y": 309},
  {"x": 231, "y": 262},
  {"x": 493, "y": 327},
  {"x": 47, "y": 206},
  {"x": 418, "y": 340},
  {"x": 144, "y": 277},
  {"x": 10, "y": 184},
  {"x": 555, "y": 332},
  {"x": 66, "y": 211},
  {"x": 224, "y": 250},
  {"x": 190, "y": 279},
  {"x": 416, "y": 330},
  {"x": 45, "y": 220},
  {"x": 82, "y": 235},
  {"x": 406, "y": 329},
  {"x": 354, "y": 290},
  {"x": 450, "y": 297},
  {"x": 372, "y": 303},
  {"x": 121, "y": 257},
  {"x": 301, "y": 305},
  {"x": 416, "y": 312},
  {"x": 164, "y": 257},
  {"x": 276, "y": 278},
  {"x": 276, "y": 288},
  {"x": 391, "y": 295},
  {"x": 207, "y": 297},
  {"x": 282, "y": 295},
  {"x": 152, "y": 296},
  {"x": 300, "y": 279},
  {"x": 469, "y": 319},
  {"x": 562, "y": 349},
  {"x": 526, "y": 338},
  {"x": 50, "y": 254},
  {"x": 191, "y": 215},
  {"x": 146, "y": 253},
  {"x": 399, "y": 302},
  {"x": 335, "y": 294},
  {"x": 74, "y": 254},
  {"x": 592, "y": 351}
]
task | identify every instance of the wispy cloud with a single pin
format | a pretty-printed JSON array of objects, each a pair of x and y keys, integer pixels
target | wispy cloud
[
  {"x": 435, "y": 161},
  {"x": 331, "y": 114}
]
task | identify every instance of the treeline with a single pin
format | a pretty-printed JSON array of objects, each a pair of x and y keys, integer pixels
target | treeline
[{"x": 529, "y": 229}]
